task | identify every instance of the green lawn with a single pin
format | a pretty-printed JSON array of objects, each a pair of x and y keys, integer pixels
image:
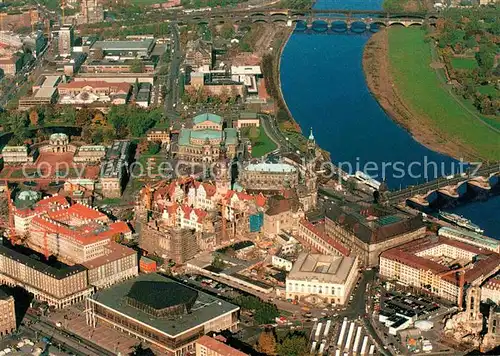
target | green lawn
[
  {"x": 410, "y": 59},
  {"x": 464, "y": 63},
  {"x": 489, "y": 90},
  {"x": 262, "y": 145}
]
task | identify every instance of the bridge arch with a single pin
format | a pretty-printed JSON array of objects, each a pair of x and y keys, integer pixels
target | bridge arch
[
  {"x": 358, "y": 26},
  {"x": 396, "y": 24},
  {"x": 255, "y": 14},
  {"x": 339, "y": 26},
  {"x": 319, "y": 25},
  {"x": 260, "y": 20},
  {"x": 414, "y": 24},
  {"x": 279, "y": 14},
  {"x": 279, "y": 19}
]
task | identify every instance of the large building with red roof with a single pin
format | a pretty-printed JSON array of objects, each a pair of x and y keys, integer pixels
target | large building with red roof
[{"x": 426, "y": 263}]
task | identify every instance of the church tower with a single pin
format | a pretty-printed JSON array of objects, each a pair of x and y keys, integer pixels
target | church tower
[
  {"x": 222, "y": 173},
  {"x": 311, "y": 145}
]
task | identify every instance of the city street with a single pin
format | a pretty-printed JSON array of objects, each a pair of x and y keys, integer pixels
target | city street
[{"x": 172, "y": 83}]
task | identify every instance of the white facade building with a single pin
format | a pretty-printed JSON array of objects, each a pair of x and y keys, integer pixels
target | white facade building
[{"x": 322, "y": 278}]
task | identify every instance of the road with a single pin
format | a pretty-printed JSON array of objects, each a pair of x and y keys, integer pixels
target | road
[
  {"x": 65, "y": 339},
  {"x": 272, "y": 130},
  {"x": 172, "y": 83}
]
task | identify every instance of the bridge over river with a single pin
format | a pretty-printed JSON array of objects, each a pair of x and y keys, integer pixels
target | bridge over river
[
  {"x": 479, "y": 177},
  {"x": 311, "y": 18}
]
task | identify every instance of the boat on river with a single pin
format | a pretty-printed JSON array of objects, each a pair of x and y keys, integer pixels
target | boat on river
[{"x": 460, "y": 221}]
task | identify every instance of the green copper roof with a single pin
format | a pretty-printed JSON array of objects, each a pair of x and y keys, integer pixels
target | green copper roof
[
  {"x": 186, "y": 135},
  {"x": 204, "y": 134},
  {"x": 207, "y": 116}
]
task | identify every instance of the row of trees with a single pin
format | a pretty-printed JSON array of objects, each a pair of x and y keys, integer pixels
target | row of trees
[
  {"x": 120, "y": 122},
  {"x": 264, "y": 313},
  {"x": 292, "y": 344},
  {"x": 202, "y": 95}
]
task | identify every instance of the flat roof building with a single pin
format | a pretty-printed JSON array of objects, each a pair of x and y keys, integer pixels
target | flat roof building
[
  {"x": 320, "y": 278},
  {"x": 161, "y": 311}
]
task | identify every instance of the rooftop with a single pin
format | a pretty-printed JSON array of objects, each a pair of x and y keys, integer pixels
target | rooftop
[
  {"x": 37, "y": 261},
  {"x": 207, "y": 117},
  {"x": 372, "y": 224},
  {"x": 271, "y": 167},
  {"x": 143, "y": 45},
  {"x": 485, "y": 262},
  {"x": 204, "y": 308},
  {"x": 325, "y": 268},
  {"x": 45, "y": 92},
  {"x": 219, "y": 347}
]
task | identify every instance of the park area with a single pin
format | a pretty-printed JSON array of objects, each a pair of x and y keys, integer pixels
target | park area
[
  {"x": 261, "y": 143},
  {"x": 415, "y": 75}
]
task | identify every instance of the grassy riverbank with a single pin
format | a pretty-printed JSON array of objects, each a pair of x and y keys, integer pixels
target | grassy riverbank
[{"x": 402, "y": 76}]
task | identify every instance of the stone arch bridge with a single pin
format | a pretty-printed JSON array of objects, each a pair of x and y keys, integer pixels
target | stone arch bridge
[{"x": 314, "y": 18}]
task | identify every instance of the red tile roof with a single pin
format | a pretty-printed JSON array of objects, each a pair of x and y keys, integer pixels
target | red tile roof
[
  {"x": 319, "y": 230},
  {"x": 219, "y": 347},
  {"x": 97, "y": 84},
  {"x": 487, "y": 263}
]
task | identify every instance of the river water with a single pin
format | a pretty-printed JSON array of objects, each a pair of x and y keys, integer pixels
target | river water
[{"x": 324, "y": 87}]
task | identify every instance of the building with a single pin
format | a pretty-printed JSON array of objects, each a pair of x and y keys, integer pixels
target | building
[
  {"x": 203, "y": 142},
  {"x": 491, "y": 290},
  {"x": 122, "y": 49},
  {"x": 91, "y": 11},
  {"x": 11, "y": 65},
  {"x": 247, "y": 119},
  {"x": 49, "y": 280},
  {"x": 65, "y": 39},
  {"x": 143, "y": 96},
  {"x": 97, "y": 91},
  {"x": 116, "y": 264},
  {"x": 76, "y": 233},
  {"x": 92, "y": 154},
  {"x": 114, "y": 169},
  {"x": 113, "y": 66},
  {"x": 161, "y": 311},
  {"x": 147, "y": 265},
  {"x": 282, "y": 214},
  {"x": 369, "y": 230},
  {"x": 43, "y": 96},
  {"x": 7, "y": 314},
  {"x": 209, "y": 346},
  {"x": 268, "y": 176},
  {"x": 314, "y": 235},
  {"x": 16, "y": 155},
  {"x": 428, "y": 263},
  {"x": 20, "y": 18},
  {"x": 198, "y": 54},
  {"x": 470, "y": 238},
  {"x": 324, "y": 279},
  {"x": 282, "y": 262},
  {"x": 159, "y": 135}
]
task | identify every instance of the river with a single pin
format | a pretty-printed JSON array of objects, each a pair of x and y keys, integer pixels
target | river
[{"x": 324, "y": 87}]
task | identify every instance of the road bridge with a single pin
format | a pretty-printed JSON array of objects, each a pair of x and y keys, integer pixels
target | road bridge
[{"x": 447, "y": 185}]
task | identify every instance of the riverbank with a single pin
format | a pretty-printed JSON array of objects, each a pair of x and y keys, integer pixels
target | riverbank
[{"x": 410, "y": 100}]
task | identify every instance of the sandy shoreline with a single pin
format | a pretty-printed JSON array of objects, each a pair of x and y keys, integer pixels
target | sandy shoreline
[{"x": 379, "y": 81}]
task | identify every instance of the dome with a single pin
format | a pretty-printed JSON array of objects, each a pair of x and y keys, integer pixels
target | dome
[
  {"x": 424, "y": 325},
  {"x": 28, "y": 195},
  {"x": 58, "y": 136}
]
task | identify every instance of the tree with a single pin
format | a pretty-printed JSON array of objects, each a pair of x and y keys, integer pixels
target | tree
[
  {"x": 34, "y": 118},
  {"x": 137, "y": 66},
  {"x": 485, "y": 58},
  {"x": 294, "y": 344},
  {"x": 227, "y": 30},
  {"x": 267, "y": 342}
]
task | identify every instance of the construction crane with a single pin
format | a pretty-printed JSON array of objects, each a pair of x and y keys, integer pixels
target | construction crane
[{"x": 461, "y": 283}]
